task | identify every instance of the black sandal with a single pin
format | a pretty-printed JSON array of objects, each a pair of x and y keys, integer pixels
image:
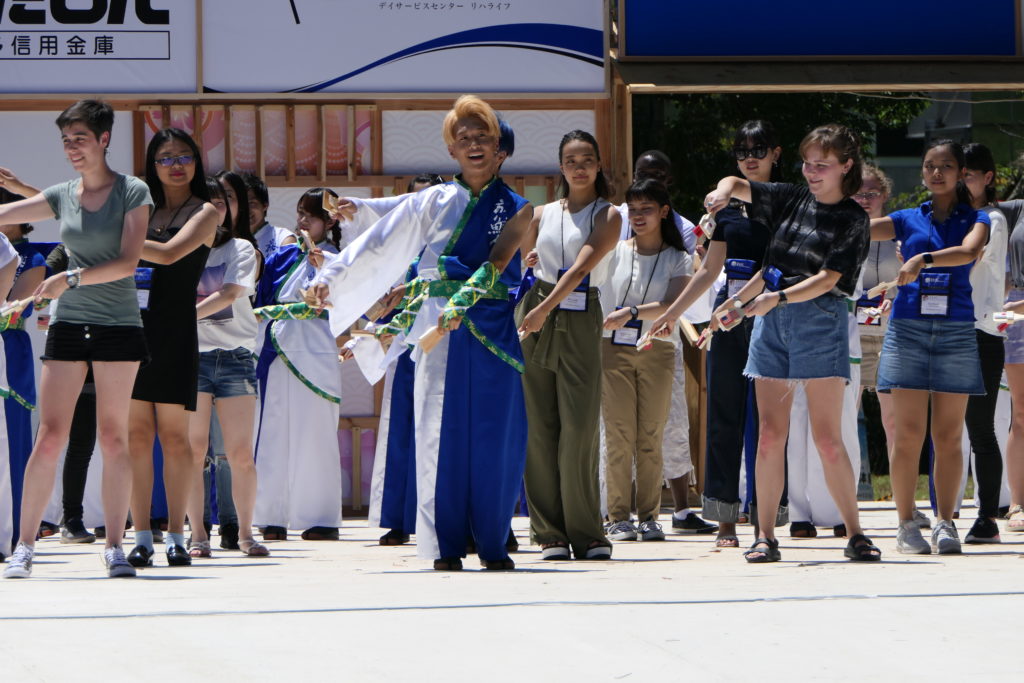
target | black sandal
[
  {"x": 802, "y": 530},
  {"x": 505, "y": 565},
  {"x": 448, "y": 564},
  {"x": 860, "y": 549},
  {"x": 769, "y": 554}
]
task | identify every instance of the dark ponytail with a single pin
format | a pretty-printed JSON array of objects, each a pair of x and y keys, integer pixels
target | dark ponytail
[
  {"x": 978, "y": 157},
  {"x": 651, "y": 190},
  {"x": 601, "y": 184}
]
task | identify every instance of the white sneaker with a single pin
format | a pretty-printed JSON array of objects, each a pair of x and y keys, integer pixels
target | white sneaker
[
  {"x": 909, "y": 540},
  {"x": 922, "y": 520},
  {"x": 945, "y": 540},
  {"x": 117, "y": 563},
  {"x": 19, "y": 564}
]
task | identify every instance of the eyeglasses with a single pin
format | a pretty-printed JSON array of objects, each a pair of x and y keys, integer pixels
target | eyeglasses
[
  {"x": 183, "y": 160},
  {"x": 867, "y": 196},
  {"x": 757, "y": 151}
]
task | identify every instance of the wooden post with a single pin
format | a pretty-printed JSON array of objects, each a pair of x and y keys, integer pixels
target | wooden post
[
  {"x": 321, "y": 143},
  {"x": 289, "y": 128},
  {"x": 229, "y": 149},
  {"x": 351, "y": 142},
  {"x": 258, "y": 124}
]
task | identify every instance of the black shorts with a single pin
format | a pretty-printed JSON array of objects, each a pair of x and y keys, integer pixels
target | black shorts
[{"x": 78, "y": 342}]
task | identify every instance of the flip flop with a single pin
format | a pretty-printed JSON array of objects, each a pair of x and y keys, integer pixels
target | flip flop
[{"x": 727, "y": 541}]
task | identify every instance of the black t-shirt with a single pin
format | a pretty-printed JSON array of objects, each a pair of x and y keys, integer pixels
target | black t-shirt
[
  {"x": 808, "y": 236},
  {"x": 744, "y": 238}
]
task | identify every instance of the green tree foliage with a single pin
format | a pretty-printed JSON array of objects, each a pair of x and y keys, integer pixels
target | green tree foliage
[{"x": 696, "y": 131}]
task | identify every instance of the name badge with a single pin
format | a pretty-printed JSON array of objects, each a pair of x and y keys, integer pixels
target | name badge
[
  {"x": 143, "y": 282},
  {"x": 934, "y": 297},
  {"x": 577, "y": 298},
  {"x": 738, "y": 272},
  {"x": 867, "y": 311},
  {"x": 628, "y": 334},
  {"x": 773, "y": 278}
]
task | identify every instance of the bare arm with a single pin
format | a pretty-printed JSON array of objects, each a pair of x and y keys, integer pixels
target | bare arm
[
  {"x": 198, "y": 230},
  {"x": 27, "y": 283},
  {"x": 706, "y": 274},
  {"x": 728, "y": 188},
  {"x": 219, "y": 300},
  {"x": 882, "y": 229},
  {"x": 34, "y": 208},
  {"x": 14, "y": 184},
  {"x": 820, "y": 283},
  {"x": 966, "y": 252},
  {"x": 529, "y": 242}
]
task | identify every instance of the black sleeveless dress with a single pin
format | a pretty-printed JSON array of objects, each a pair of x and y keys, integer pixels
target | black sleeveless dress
[{"x": 169, "y": 323}]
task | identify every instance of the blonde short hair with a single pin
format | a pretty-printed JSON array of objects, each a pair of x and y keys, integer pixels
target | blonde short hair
[
  {"x": 873, "y": 172},
  {"x": 470, "y": 107}
]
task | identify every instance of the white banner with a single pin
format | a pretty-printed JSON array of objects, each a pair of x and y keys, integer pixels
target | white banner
[
  {"x": 106, "y": 46},
  {"x": 406, "y": 46}
]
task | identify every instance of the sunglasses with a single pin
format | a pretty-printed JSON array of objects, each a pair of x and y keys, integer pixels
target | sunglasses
[
  {"x": 757, "y": 151},
  {"x": 183, "y": 160}
]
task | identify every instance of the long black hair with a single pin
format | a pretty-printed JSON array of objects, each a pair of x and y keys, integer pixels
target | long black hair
[
  {"x": 601, "y": 184},
  {"x": 760, "y": 132},
  {"x": 198, "y": 184},
  {"x": 241, "y": 220},
  {"x": 963, "y": 194},
  {"x": 312, "y": 202},
  {"x": 978, "y": 157},
  {"x": 651, "y": 190},
  {"x": 224, "y": 232},
  {"x": 6, "y": 197}
]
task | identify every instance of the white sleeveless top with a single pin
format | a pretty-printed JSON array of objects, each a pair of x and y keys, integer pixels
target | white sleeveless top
[{"x": 560, "y": 237}]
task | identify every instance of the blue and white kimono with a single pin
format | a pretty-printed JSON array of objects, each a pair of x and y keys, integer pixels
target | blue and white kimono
[
  {"x": 468, "y": 410},
  {"x": 298, "y": 458}
]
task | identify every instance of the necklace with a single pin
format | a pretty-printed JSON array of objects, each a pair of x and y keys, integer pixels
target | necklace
[{"x": 160, "y": 229}]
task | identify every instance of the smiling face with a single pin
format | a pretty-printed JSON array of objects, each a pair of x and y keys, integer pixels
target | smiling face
[
  {"x": 311, "y": 223},
  {"x": 824, "y": 174},
  {"x": 645, "y": 216},
  {"x": 81, "y": 146},
  {"x": 475, "y": 149},
  {"x": 941, "y": 171},
  {"x": 257, "y": 211},
  {"x": 977, "y": 182},
  {"x": 182, "y": 166},
  {"x": 579, "y": 164}
]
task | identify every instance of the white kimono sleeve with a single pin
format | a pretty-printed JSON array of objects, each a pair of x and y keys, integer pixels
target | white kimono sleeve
[
  {"x": 367, "y": 268},
  {"x": 368, "y": 212}
]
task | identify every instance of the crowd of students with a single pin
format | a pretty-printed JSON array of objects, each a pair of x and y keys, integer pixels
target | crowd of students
[{"x": 519, "y": 345}]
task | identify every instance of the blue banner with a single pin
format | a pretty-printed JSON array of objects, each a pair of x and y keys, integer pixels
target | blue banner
[{"x": 825, "y": 28}]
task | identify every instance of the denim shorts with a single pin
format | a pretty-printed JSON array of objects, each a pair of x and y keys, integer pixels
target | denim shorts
[
  {"x": 806, "y": 340},
  {"x": 1014, "y": 342},
  {"x": 227, "y": 373},
  {"x": 931, "y": 355}
]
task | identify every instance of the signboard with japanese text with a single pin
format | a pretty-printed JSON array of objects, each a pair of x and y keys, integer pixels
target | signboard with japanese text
[
  {"x": 375, "y": 46},
  {"x": 785, "y": 29},
  {"x": 107, "y": 46}
]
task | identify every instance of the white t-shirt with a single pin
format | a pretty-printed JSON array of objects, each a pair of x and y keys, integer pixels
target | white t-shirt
[
  {"x": 232, "y": 263},
  {"x": 560, "y": 237},
  {"x": 989, "y": 275},
  {"x": 269, "y": 239},
  {"x": 637, "y": 279},
  {"x": 7, "y": 254}
]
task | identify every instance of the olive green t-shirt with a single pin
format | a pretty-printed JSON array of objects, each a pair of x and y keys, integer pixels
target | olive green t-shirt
[{"x": 93, "y": 238}]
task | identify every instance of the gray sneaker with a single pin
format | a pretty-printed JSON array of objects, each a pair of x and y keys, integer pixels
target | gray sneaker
[
  {"x": 922, "y": 520},
  {"x": 651, "y": 531},
  {"x": 945, "y": 540},
  {"x": 19, "y": 564},
  {"x": 621, "y": 531},
  {"x": 909, "y": 540},
  {"x": 117, "y": 563}
]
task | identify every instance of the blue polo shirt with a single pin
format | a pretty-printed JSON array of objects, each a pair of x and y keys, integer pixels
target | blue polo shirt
[{"x": 919, "y": 233}]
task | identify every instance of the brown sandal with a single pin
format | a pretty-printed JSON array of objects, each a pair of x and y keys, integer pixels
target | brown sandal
[{"x": 251, "y": 548}]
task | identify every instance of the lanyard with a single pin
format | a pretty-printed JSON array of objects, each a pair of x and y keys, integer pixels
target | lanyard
[
  {"x": 561, "y": 231},
  {"x": 632, "y": 266}
]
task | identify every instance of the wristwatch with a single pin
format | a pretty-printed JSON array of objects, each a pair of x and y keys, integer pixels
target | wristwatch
[
  {"x": 783, "y": 299},
  {"x": 73, "y": 278},
  {"x": 633, "y": 313},
  {"x": 928, "y": 259}
]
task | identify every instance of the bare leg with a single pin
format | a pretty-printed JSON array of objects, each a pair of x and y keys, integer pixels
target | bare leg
[
  {"x": 825, "y": 410},
  {"x": 237, "y": 416},
  {"x": 774, "y": 401},
  {"x": 141, "y": 432},
  {"x": 1015, "y": 444},
  {"x": 114, "y": 383},
  {"x": 59, "y": 385},
  {"x": 199, "y": 440},
  {"x": 910, "y": 410},
  {"x": 948, "y": 412},
  {"x": 172, "y": 422}
]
